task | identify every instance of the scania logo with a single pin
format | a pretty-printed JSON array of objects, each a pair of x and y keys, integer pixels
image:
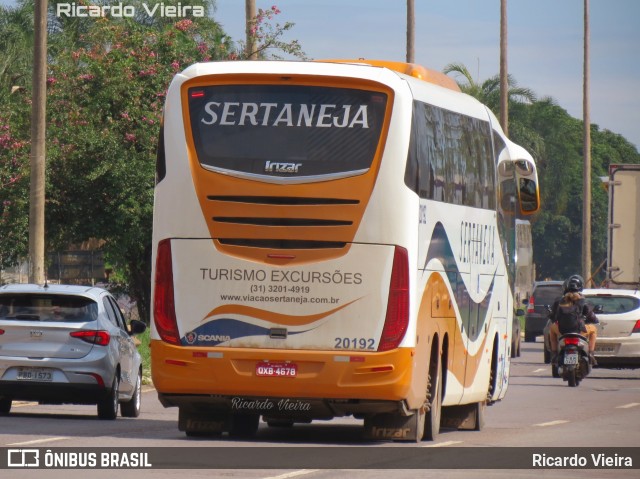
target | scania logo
[
  {"x": 275, "y": 167},
  {"x": 191, "y": 337}
]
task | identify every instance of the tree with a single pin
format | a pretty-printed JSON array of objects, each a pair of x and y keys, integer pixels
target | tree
[
  {"x": 106, "y": 101},
  {"x": 266, "y": 39}
]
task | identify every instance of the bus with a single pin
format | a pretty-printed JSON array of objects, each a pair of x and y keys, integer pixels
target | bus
[{"x": 330, "y": 240}]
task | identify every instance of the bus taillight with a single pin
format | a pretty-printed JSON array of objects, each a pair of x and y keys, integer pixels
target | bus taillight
[
  {"x": 397, "y": 319},
  {"x": 164, "y": 310}
]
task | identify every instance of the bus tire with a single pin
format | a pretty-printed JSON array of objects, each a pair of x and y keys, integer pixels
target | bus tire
[
  {"x": 480, "y": 408},
  {"x": 5, "y": 406},
  {"x": 433, "y": 415},
  {"x": 280, "y": 423},
  {"x": 244, "y": 425}
]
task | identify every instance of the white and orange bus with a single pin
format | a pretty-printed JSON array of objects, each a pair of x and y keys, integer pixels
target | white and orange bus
[{"x": 331, "y": 239}]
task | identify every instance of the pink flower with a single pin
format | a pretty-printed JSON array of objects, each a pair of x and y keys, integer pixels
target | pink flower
[
  {"x": 130, "y": 137},
  {"x": 184, "y": 25},
  {"x": 175, "y": 65}
]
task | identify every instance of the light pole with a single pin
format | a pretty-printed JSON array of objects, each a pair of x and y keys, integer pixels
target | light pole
[
  {"x": 586, "y": 202},
  {"x": 38, "y": 134}
]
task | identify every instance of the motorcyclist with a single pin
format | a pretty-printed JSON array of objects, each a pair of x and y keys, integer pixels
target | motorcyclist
[{"x": 572, "y": 294}]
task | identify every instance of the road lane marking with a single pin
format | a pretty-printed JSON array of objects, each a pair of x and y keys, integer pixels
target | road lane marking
[
  {"x": 627, "y": 406},
  {"x": 540, "y": 370},
  {"x": 444, "y": 444},
  {"x": 38, "y": 441},
  {"x": 551, "y": 423},
  {"x": 301, "y": 472}
]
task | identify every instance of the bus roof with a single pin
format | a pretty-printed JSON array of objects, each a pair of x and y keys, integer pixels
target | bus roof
[{"x": 411, "y": 69}]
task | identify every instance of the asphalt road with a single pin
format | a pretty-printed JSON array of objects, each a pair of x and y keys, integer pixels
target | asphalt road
[{"x": 538, "y": 412}]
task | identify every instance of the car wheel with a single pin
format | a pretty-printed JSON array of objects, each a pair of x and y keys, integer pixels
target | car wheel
[
  {"x": 131, "y": 408},
  {"x": 108, "y": 407},
  {"x": 5, "y": 406}
]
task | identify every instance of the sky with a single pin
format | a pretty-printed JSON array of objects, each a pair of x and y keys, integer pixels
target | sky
[{"x": 545, "y": 43}]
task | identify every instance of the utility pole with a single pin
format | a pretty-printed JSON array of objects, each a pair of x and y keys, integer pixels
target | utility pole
[
  {"x": 411, "y": 32},
  {"x": 504, "y": 79},
  {"x": 586, "y": 201},
  {"x": 38, "y": 135},
  {"x": 250, "y": 14}
]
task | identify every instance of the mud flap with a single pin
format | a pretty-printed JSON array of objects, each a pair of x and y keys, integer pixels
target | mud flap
[
  {"x": 469, "y": 417},
  {"x": 394, "y": 427},
  {"x": 202, "y": 422}
]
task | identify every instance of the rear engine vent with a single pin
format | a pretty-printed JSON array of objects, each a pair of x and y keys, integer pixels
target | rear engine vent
[
  {"x": 283, "y": 200},
  {"x": 281, "y": 244},
  {"x": 280, "y": 221}
]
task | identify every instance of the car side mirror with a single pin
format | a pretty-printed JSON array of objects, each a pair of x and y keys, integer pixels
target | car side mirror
[
  {"x": 598, "y": 309},
  {"x": 136, "y": 327}
]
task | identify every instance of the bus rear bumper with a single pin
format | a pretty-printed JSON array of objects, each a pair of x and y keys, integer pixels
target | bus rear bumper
[{"x": 326, "y": 384}]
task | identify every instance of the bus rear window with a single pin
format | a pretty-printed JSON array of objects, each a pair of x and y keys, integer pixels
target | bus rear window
[{"x": 286, "y": 131}]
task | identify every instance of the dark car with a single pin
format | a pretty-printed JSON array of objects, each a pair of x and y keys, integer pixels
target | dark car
[{"x": 544, "y": 294}]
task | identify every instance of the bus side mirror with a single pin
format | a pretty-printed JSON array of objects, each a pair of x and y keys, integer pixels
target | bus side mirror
[
  {"x": 528, "y": 190},
  {"x": 529, "y": 196}
]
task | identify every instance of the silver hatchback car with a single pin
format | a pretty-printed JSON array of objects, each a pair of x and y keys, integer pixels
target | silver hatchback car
[{"x": 68, "y": 344}]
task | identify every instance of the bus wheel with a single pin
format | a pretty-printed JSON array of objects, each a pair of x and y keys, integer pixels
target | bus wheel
[
  {"x": 432, "y": 416},
  {"x": 279, "y": 423},
  {"x": 244, "y": 425}
]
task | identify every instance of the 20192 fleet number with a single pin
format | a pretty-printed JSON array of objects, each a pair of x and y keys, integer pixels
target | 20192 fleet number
[{"x": 355, "y": 343}]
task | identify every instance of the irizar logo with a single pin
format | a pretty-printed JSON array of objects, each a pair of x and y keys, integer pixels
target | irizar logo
[
  {"x": 390, "y": 432},
  {"x": 275, "y": 167}
]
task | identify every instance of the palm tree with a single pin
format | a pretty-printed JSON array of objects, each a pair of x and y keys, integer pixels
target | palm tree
[
  {"x": 16, "y": 45},
  {"x": 488, "y": 92}
]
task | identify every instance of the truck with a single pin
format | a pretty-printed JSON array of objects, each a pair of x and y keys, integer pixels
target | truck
[{"x": 623, "y": 244}]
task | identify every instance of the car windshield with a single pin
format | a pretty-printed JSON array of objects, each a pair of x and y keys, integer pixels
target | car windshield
[
  {"x": 611, "y": 304},
  {"x": 47, "y": 307}
]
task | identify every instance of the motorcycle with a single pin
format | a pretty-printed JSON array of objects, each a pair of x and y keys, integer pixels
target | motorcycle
[
  {"x": 573, "y": 359},
  {"x": 572, "y": 363}
]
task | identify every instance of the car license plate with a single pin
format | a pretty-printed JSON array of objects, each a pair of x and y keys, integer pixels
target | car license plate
[
  {"x": 571, "y": 358},
  {"x": 276, "y": 370},
  {"x": 34, "y": 374},
  {"x": 606, "y": 348}
]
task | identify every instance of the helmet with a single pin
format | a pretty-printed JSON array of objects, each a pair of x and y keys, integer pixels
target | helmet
[{"x": 573, "y": 284}]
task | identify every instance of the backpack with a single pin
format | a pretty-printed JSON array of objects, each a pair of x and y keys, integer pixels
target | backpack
[{"x": 570, "y": 319}]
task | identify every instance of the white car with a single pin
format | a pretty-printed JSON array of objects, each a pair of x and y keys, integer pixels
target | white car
[
  {"x": 618, "y": 340},
  {"x": 68, "y": 344}
]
